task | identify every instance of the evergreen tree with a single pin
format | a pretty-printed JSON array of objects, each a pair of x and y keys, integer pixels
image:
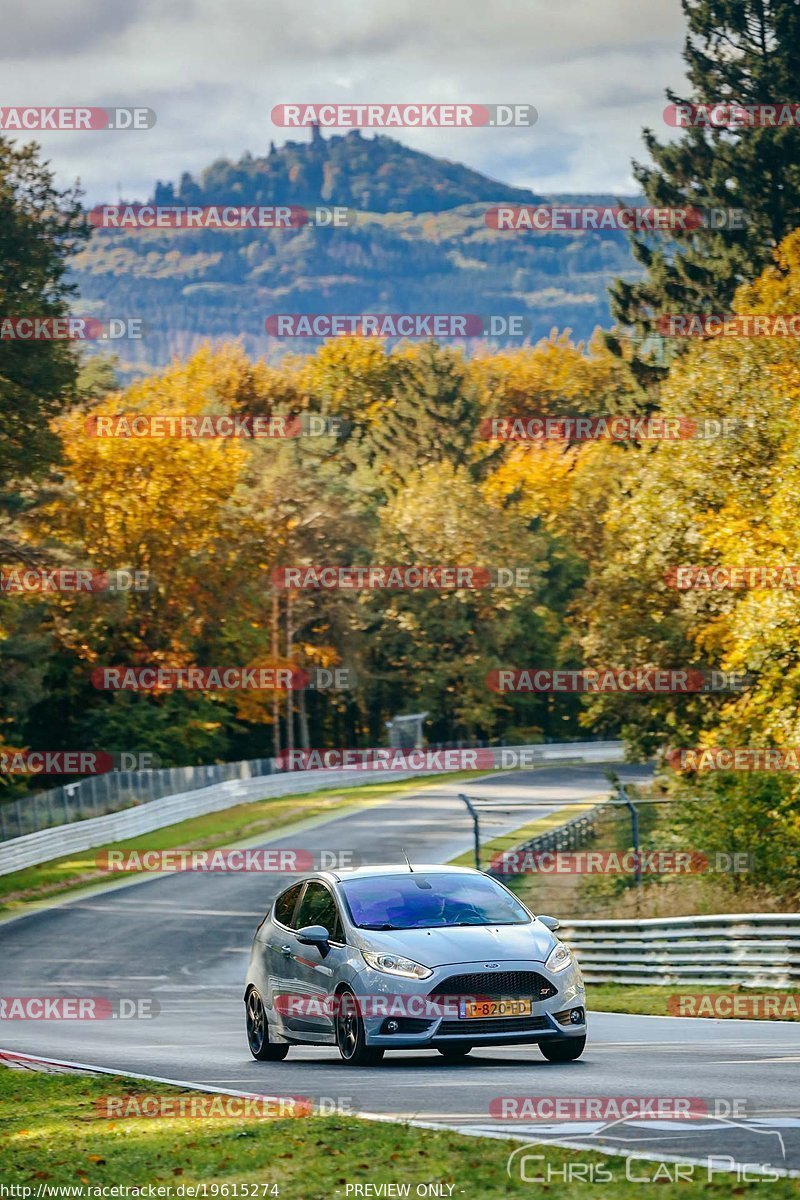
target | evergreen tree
[
  {"x": 40, "y": 229},
  {"x": 431, "y": 416},
  {"x": 741, "y": 52}
]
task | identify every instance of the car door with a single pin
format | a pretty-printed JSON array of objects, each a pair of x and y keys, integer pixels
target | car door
[
  {"x": 278, "y": 947},
  {"x": 315, "y": 967}
]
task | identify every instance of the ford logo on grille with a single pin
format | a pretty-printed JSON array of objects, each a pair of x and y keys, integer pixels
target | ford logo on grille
[{"x": 491, "y": 964}]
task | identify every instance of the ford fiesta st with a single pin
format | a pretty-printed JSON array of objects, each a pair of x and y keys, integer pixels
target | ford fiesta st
[{"x": 410, "y": 958}]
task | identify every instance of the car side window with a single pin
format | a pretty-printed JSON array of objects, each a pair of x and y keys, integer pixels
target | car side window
[
  {"x": 285, "y": 904},
  {"x": 318, "y": 907}
]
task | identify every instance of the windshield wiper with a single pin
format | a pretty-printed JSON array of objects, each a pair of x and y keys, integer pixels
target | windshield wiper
[{"x": 385, "y": 925}]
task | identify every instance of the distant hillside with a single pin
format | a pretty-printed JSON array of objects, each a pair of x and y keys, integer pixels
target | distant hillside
[
  {"x": 192, "y": 285},
  {"x": 374, "y": 174}
]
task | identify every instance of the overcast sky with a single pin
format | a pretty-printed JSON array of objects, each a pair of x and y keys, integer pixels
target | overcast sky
[{"x": 596, "y": 71}]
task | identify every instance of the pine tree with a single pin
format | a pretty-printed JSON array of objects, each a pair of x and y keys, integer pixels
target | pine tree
[
  {"x": 431, "y": 416},
  {"x": 743, "y": 52},
  {"x": 40, "y": 229}
]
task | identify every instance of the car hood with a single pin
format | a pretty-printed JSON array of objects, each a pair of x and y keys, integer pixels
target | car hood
[{"x": 441, "y": 947}]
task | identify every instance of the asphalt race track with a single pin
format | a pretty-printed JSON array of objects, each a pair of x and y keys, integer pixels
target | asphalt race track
[{"x": 183, "y": 940}]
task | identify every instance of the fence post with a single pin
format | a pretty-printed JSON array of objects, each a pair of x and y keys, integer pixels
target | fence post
[
  {"x": 624, "y": 798},
  {"x": 475, "y": 827}
]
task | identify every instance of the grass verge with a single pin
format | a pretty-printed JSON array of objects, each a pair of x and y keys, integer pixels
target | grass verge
[
  {"x": 652, "y": 1000},
  {"x": 53, "y": 1137},
  {"x": 228, "y": 827}
]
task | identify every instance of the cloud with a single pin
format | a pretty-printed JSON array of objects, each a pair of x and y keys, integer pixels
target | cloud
[{"x": 596, "y": 73}]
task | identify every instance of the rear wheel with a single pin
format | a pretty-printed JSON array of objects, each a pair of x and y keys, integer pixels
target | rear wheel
[
  {"x": 454, "y": 1053},
  {"x": 258, "y": 1031},
  {"x": 350, "y": 1035},
  {"x": 563, "y": 1049}
]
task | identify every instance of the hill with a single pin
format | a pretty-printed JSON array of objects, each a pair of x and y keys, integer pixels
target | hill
[
  {"x": 374, "y": 174},
  {"x": 420, "y": 244}
]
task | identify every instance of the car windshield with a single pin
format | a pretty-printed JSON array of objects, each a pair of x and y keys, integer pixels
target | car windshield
[{"x": 417, "y": 901}]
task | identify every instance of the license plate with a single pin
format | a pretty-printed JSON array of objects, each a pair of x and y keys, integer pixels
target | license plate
[{"x": 478, "y": 1010}]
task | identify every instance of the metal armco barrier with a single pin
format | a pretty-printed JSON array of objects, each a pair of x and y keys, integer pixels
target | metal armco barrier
[
  {"x": 569, "y": 836},
  {"x": 115, "y": 790},
  {"x": 46, "y": 844},
  {"x": 756, "y": 949}
]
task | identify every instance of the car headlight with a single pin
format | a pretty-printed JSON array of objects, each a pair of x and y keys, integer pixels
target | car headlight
[
  {"x": 558, "y": 958},
  {"x": 395, "y": 964}
]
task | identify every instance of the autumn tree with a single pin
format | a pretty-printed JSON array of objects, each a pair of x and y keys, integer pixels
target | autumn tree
[{"x": 737, "y": 52}]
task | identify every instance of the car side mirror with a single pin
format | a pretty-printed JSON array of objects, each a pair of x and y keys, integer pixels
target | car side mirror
[
  {"x": 313, "y": 935},
  {"x": 551, "y": 923}
]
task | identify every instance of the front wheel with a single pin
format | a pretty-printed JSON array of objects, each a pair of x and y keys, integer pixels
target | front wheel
[
  {"x": 563, "y": 1049},
  {"x": 258, "y": 1031},
  {"x": 350, "y": 1036}
]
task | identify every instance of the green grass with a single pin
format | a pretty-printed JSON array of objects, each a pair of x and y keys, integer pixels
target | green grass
[
  {"x": 51, "y": 1135},
  {"x": 652, "y": 1000},
  {"x": 228, "y": 827}
]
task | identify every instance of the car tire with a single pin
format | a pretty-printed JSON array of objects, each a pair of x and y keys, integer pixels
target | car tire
[
  {"x": 350, "y": 1036},
  {"x": 562, "y": 1050},
  {"x": 454, "y": 1053},
  {"x": 258, "y": 1031}
]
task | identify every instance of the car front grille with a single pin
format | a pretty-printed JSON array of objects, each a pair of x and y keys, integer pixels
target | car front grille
[
  {"x": 496, "y": 985},
  {"x": 493, "y": 1025}
]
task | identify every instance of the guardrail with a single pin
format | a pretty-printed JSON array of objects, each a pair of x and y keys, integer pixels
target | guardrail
[
  {"x": 46, "y": 844},
  {"x": 754, "y": 949},
  {"x": 114, "y": 790},
  {"x": 570, "y": 836}
]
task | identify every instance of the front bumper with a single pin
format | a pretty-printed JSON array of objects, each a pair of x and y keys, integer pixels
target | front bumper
[{"x": 553, "y": 1017}]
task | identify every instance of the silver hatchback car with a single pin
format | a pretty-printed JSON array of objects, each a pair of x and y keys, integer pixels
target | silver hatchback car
[{"x": 410, "y": 958}]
